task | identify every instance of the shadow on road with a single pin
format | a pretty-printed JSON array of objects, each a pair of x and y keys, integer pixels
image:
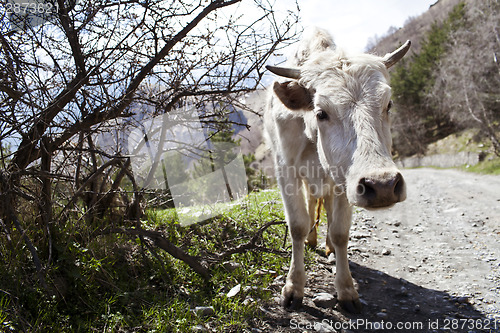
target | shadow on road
[{"x": 389, "y": 305}]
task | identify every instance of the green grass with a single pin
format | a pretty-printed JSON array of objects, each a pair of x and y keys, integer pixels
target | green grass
[
  {"x": 117, "y": 283},
  {"x": 491, "y": 166},
  {"x": 466, "y": 140},
  {"x": 469, "y": 140}
]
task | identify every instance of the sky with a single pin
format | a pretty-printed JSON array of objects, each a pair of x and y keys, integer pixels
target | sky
[{"x": 353, "y": 22}]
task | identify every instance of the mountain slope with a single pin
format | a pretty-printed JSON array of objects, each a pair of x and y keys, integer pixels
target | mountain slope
[
  {"x": 414, "y": 29},
  {"x": 451, "y": 79}
]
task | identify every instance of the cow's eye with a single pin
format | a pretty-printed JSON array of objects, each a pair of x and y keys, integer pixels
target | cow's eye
[
  {"x": 321, "y": 115},
  {"x": 389, "y": 106}
]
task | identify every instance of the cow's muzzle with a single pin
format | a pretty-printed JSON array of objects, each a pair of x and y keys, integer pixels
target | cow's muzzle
[{"x": 379, "y": 191}]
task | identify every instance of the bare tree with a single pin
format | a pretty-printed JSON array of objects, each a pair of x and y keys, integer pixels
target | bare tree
[
  {"x": 467, "y": 84},
  {"x": 88, "y": 63}
]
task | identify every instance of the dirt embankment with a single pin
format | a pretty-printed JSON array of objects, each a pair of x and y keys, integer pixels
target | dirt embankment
[{"x": 429, "y": 264}]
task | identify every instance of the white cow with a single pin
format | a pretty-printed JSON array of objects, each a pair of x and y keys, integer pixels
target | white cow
[{"x": 328, "y": 127}]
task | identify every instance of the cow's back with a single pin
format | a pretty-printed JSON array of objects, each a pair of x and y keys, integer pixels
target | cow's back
[
  {"x": 284, "y": 130},
  {"x": 314, "y": 41}
]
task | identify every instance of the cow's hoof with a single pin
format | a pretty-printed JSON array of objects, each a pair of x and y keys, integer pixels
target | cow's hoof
[
  {"x": 329, "y": 250},
  {"x": 291, "y": 302},
  {"x": 311, "y": 243},
  {"x": 352, "y": 306}
]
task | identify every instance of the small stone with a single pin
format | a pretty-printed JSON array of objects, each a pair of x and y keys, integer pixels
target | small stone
[
  {"x": 397, "y": 224},
  {"x": 382, "y": 315},
  {"x": 275, "y": 286},
  {"x": 403, "y": 292},
  {"x": 279, "y": 279},
  {"x": 418, "y": 230},
  {"x": 248, "y": 301},
  {"x": 248, "y": 289},
  {"x": 463, "y": 300},
  {"x": 412, "y": 269},
  {"x": 359, "y": 249},
  {"x": 416, "y": 308},
  {"x": 198, "y": 328},
  {"x": 234, "y": 291},
  {"x": 331, "y": 258},
  {"x": 386, "y": 252},
  {"x": 261, "y": 272},
  {"x": 231, "y": 266},
  {"x": 204, "y": 311},
  {"x": 324, "y": 300},
  {"x": 360, "y": 234}
]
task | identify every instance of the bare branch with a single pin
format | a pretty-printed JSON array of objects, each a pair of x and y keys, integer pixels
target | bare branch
[
  {"x": 160, "y": 241},
  {"x": 251, "y": 244}
]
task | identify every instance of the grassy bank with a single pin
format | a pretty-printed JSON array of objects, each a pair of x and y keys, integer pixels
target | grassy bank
[
  {"x": 118, "y": 283},
  {"x": 490, "y": 165},
  {"x": 472, "y": 141}
]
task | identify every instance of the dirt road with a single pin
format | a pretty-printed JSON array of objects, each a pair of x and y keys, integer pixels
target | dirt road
[{"x": 430, "y": 264}]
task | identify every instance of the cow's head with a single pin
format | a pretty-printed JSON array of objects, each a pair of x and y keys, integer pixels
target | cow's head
[{"x": 345, "y": 103}]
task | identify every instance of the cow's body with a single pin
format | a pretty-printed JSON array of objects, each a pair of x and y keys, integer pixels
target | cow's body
[{"x": 328, "y": 128}]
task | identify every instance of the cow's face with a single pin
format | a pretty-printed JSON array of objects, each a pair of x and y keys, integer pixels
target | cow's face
[{"x": 347, "y": 103}]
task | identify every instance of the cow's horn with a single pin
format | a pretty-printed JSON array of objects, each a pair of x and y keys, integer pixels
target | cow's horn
[
  {"x": 290, "y": 73},
  {"x": 392, "y": 58}
]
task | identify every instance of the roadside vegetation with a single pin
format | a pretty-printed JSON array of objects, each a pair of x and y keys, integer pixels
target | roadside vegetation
[
  {"x": 88, "y": 245},
  {"x": 119, "y": 283},
  {"x": 489, "y": 166}
]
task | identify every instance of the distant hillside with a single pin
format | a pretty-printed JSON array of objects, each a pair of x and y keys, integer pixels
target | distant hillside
[
  {"x": 252, "y": 140},
  {"x": 415, "y": 29},
  {"x": 451, "y": 79}
]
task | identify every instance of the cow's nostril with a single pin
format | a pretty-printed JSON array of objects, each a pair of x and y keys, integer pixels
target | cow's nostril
[
  {"x": 398, "y": 185},
  {"x": 366, "y": 188},
  {"x": 361, "y": 186}
]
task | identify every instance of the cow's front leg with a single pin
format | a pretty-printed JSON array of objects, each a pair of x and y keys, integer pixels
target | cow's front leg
[
  {"x": 339, "y": 221},
  {"x": 297, "y": 217}
]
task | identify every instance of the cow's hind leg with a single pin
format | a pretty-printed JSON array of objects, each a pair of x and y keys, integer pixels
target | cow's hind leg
[
  {"x": 312, "y": 237},
  {"x": 339, "y": 221},
  {"x": 329, "y": 248},
  {"x": 297, "y": 217}
]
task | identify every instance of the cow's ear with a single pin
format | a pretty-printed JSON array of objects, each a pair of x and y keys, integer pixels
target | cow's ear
[{"x": 293, "y": 95}]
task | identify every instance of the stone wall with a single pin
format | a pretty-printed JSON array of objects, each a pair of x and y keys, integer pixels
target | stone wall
[{"x": 440, "y": 160}]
